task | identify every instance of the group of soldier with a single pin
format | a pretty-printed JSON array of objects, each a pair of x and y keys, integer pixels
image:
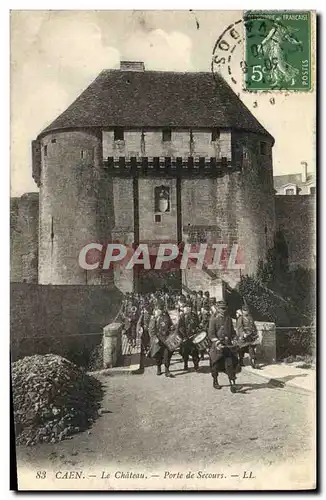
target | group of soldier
[{"x": 147, "y": 319}]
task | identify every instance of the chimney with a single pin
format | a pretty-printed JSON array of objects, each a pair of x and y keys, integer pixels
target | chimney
[
  {"x": 132, "y": 66},
  {"x": 304, "y": 171}
]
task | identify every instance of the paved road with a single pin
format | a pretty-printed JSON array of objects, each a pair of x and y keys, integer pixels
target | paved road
[{"x": 155, "y": 421}]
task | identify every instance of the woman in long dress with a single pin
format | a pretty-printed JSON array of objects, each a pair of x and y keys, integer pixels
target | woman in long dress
[{"x": 281, "y": 71}]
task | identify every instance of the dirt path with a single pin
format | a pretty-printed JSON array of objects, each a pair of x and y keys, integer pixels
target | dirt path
[{"x": 154, "y": 421}]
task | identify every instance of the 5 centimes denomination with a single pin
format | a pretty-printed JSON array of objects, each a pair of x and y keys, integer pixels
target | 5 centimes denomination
[{"x": 277, "y": 50}]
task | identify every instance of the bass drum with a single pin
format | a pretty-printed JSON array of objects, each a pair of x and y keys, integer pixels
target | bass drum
[{"x": 201, "y": 341}]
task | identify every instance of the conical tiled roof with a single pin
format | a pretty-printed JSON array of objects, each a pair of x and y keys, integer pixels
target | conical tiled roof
[{"x": 140, "y": 99}]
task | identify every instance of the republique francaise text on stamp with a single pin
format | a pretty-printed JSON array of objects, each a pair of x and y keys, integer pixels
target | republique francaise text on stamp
[{"x": 277, "y": 50}]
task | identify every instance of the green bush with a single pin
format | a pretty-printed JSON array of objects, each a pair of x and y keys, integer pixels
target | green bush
[{"x": 277, "y": 293}]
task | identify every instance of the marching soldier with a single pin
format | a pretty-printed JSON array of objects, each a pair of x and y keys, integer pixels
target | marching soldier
[
  {"x": 206, "y": 300},
  {"x": 159, "y": 328},
  {"x": 199, "y": 301},
  {"x": 222, "y": 334},
  {"x": 192, "y": 298},
  {"x": 246, "y": 333},
  {"x": 126, "y": 304},
  {"x": 213, "y": 304},
  {"x": 204, "y": 318},
  {"x": 204, "y": 323},
  {"x": 180, "y": 299},
  {"x": 131, "y": 318},
  {"x": 187, "y": 327},
  {"x": 143, "y": 331},
  {"x": 152, "y": 300}
]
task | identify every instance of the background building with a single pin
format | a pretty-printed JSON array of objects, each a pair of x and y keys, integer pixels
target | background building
[{"x": 293, "y": 184}]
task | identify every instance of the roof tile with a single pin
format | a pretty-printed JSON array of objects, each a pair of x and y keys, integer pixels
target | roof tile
[{"x": 157, "y": 99}]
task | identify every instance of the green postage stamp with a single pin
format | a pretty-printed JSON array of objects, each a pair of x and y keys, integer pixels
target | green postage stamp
[{"x": 278, "y": 50}]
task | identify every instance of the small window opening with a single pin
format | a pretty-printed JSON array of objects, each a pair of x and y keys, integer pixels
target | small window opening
[
  {"x": 53, "y": 141},
  {"x": 312, "y": 190},
  {"x": 82, "y": 153},
  {"x": 158, "y": 218},
  {"x": 289, "y": 191},
  {"x": 45, "y": 151},
  {"x": 215, "y": 134},
  {"x": 118, "y": 134},
  {"x": 263, "y": 148},
  {"x": 166, "y": 135},
  {"x": 245, "y": 154}
]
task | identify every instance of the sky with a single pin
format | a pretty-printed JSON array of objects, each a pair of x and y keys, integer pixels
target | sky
[{"x": 55, "y": 55}]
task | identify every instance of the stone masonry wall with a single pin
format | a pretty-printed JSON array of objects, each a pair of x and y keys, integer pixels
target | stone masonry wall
[
  {"x": 238, "y": 207},
  {"x": 296, "y": 218},
  {"x": 151, "y": 144},
  {"x": 149, "y": 230},
  {"x": 66, "y": 320},
  {"x": 123, "y": 229},
  {"x": 254, "y": 197},
  {"x": 24, "y": 220},
  {"x": 76, "y": 198}
]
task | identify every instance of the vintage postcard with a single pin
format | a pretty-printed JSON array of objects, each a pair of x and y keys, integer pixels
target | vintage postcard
[{"x": 163, "y": 249}]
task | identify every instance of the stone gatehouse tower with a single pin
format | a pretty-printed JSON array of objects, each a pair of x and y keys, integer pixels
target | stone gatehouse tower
[{"x": 146, "y": 156}]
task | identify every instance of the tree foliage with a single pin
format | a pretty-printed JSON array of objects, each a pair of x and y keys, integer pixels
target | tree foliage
[{"x": 279, "y": 293}]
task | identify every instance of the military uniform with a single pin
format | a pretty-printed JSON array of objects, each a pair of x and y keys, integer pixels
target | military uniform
[
  {"x": 206, "y": 300},
  {"x": 143, "y": 330},
  {"x": 221, "y": 333},
  {"x": 180, "y": 301},
  {"x": 204, "y": 318},
  {"x": 246, "y": 333},
  {"x": 203, "y": 325},
  {"x": 159, "y": 329},
  {"x": 199, "y": 301},
  {"x": 187, "y": 327},
  {"x": 131, "y": 318}
]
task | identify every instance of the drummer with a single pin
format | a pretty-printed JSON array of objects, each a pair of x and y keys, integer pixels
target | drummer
[
  {"x": 187, "y": 327},
  {"x": 203, "y": 324},
  {"x": 247, "y": 334},
  {"x": 221, "y": 333}
]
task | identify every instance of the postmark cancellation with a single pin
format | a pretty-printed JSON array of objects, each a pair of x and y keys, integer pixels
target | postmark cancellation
[{"x": 277, "y": 54}]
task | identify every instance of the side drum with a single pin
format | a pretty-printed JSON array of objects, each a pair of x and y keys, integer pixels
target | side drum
[
  {"x": 202, "y": 341},
  {"x": 173, "y": 342}
]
